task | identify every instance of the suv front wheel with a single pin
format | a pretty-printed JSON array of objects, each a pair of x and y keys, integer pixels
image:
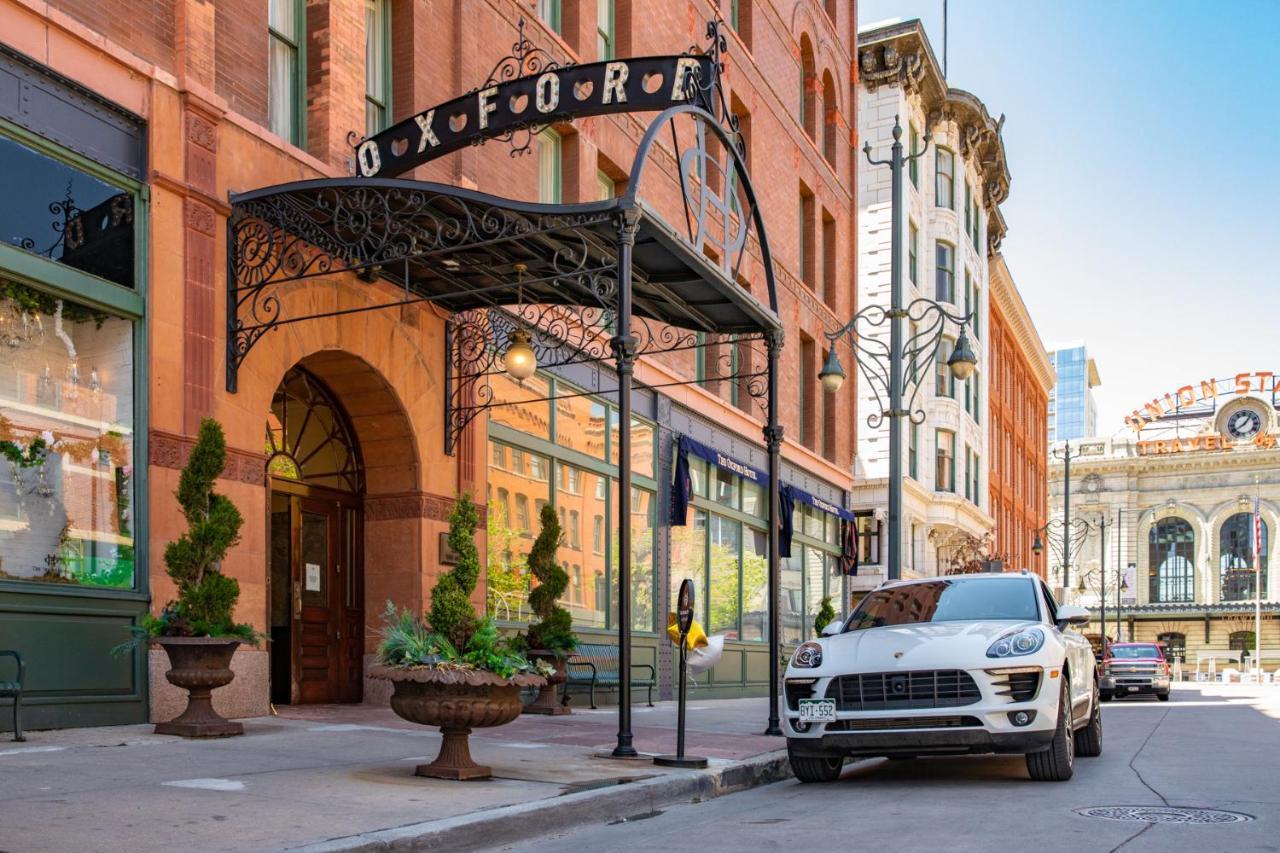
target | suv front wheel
[
  {"x": 1056, "y": 764},
  {"x": 815, "y": 768}
]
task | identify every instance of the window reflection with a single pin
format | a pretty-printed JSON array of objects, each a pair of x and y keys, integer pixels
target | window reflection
[
  {"x": 66, "y": 426},
  {"x": 66, "y": 215}
]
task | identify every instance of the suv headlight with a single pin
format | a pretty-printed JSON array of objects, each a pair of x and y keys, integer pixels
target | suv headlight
[
  {"x": 807, "y": 656},
  {"x": 1017, "y": 643}
]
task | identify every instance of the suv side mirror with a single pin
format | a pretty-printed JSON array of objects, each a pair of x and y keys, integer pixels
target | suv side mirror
[
  {"x": 1070, "y": 614},
  {"x": 833, "y": 628}
]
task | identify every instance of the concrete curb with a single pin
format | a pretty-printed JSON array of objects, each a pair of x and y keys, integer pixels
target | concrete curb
[{"x": 527, "y": 821}]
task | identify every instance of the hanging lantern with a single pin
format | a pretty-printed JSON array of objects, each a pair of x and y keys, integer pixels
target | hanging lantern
[{"x": 520, "y": 361}]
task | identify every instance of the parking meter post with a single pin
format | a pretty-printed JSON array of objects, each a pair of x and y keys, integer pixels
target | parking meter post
[
  {"x": 684, "y": 659},
  {"x": 684, "y": 621}
]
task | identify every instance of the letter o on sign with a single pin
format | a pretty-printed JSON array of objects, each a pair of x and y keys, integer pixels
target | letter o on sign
[
  {"x": 547, "y": 92},
  {"x": 370, "y": 158}
]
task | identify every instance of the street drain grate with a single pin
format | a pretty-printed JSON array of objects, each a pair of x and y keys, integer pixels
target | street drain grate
[{"x": 1165, "y": 814}]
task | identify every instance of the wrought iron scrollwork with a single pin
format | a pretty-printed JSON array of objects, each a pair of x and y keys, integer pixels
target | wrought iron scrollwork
[
  {"x": 562, "y": 336},
  {"x": 868, "y": 337}
]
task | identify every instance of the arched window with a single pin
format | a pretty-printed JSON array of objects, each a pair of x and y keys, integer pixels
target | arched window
[
  {"x": 1175, "y": 645},
  {"x": 808, "y": 89},
  {"x": 1235, "y": 557},
  {"x": 829, "y": 116},
  {"x": 1241, "y": 641},
  {"x": 1172, "y": 561},
  {"x": 308, "y": 437}
]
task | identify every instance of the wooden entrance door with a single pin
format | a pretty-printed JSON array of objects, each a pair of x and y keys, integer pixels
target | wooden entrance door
[{"x": 326, "y": 619}]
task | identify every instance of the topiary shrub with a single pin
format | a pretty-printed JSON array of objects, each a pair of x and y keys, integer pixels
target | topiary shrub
[
  {"x": 826, "y": 615},
  {"x": 206, "y": 597},
  {"x": 452, "y": 614},
  {"x": 553, "y": 629}
]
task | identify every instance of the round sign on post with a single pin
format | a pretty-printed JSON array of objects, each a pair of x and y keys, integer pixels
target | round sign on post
[{"x": 684, "y": 607}]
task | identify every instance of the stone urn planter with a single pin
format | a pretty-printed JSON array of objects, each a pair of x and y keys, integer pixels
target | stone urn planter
[
  {"x": 199, "y": 665},
  {"x": 456, "y": 700},
  {"x": 546, "y": 701}
]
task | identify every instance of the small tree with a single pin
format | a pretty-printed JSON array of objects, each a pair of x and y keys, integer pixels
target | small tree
[
  {"x": 206, "y": 597},
  {"x": 825, "y": 616},
  {"x": 452, "y": 614},
  {"x": 553, "y": 629}
]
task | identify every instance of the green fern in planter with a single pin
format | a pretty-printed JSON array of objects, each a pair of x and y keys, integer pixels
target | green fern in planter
[{"x": 553, "y": 630}]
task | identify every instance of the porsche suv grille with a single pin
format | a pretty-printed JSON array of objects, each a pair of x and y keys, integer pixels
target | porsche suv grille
[{"x": 884, "y": 691}]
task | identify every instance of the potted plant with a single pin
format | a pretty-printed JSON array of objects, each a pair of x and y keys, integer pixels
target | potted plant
[
  {"x": 550, "y": 639},
  {"x": 197, "y": 631},
  {"x": 453, "y": 670},
  {"x": 825, "y": 616}
]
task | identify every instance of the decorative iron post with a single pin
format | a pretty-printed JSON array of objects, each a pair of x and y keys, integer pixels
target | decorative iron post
[
  {"x": 624, "y": 351},
  {"x": 882, "y": 367},
  {"x": 773, "y": 442}
]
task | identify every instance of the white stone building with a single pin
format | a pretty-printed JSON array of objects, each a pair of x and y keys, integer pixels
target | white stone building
[
  {"x": 1178, "y": 496},
  {"x": 951, "y": 195}
]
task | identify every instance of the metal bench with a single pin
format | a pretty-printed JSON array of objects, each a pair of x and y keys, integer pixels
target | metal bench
[
  {"x": 13, "y": 690},
  {"x": 596, "y": 664}
]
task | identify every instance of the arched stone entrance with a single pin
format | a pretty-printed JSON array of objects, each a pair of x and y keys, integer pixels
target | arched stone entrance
[{"x": 335, "y": 434}]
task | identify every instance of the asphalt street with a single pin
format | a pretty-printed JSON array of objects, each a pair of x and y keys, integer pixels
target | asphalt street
[{"x": 1213, "y": 747}]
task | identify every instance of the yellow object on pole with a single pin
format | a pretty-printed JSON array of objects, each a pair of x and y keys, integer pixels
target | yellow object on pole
[{"x": 696, "y": 638}]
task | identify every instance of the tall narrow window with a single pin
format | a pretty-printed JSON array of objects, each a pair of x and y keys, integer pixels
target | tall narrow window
[
  {"x": 806, "y": 266},
  {"x": 829, "y": 116},
  {"x": 377, "y": 66},
  {"x": 550, "y": 12},
  {"x": 968, "y": 208},
  {"x": 944, "y": 178},
  {"x": 913, "y": 240},
  {"x": 549, "y": 182},
  {"x": 284, "y": 69},
  {"x": 808, "y": 107},
  {"x": 944, "y": 380},
  {"x": 1171, "y": 558},
  {"x": 913, "y": 453},
  {"x": 828, "y": 259},
  {"x": 604, "y": 30},
  {"x": 913, "y": 165},
  {"x": 740, "y": 19},
  {"x": 808, "y": 404},
  {"x": 975, "y": 324},
  {"x": 945, "y": 273},
  {"x": 968, "y": 473},
  {"x": 944, "y": 476}
]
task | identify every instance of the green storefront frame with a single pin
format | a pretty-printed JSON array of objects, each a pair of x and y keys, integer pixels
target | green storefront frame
[{"x": 66, "y": 633}]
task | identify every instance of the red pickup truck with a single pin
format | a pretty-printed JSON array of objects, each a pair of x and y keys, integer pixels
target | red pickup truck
[{"x": 1131, "y": 669}]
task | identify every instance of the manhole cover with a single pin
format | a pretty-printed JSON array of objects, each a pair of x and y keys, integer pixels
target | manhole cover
[{"x": 1165, "y": 814}]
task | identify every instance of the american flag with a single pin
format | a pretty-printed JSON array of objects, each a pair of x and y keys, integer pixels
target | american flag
[{"x": 1257, "y": 535}]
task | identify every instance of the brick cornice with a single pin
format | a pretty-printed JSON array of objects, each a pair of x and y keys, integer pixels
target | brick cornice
[
  {"x": 170, "y": 450},
  {"x": 1004, "y": 294}
]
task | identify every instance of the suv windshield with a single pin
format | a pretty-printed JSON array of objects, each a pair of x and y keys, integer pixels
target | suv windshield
[
  {"x": 1131, "y": 652},
  {"x": 949, "y": 600}
]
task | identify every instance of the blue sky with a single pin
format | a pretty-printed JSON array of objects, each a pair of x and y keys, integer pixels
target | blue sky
[{"x": 1143, "y": 139}]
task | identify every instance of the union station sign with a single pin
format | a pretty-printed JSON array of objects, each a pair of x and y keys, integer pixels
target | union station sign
[{"x": 1206, "y": 392}]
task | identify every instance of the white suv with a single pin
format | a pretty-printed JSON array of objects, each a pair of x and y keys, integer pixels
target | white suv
[{"x": 953, "y": 665}]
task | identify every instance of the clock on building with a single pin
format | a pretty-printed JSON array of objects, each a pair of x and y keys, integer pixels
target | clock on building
[{"x": 1244, "y": 424}]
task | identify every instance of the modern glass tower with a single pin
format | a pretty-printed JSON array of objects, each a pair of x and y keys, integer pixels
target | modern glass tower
[{"x": 1073, "y": 412}]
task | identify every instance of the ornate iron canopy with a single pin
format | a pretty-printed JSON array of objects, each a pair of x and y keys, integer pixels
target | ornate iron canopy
[{"x": 601, "y": 282}]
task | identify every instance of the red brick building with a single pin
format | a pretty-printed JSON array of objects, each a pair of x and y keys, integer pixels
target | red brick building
[
  {"x": 1021, "y": 377},
  {"x": 161, "y": 110}
]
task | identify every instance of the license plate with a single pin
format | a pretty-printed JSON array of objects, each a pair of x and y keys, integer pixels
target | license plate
[{"x": 817, "y": 710}]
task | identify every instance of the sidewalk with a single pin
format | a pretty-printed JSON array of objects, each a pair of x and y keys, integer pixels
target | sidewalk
[{"x": 341, "y": 777}]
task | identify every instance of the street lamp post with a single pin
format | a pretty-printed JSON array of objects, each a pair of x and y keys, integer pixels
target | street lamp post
[{"x": 881, "y": 365}]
